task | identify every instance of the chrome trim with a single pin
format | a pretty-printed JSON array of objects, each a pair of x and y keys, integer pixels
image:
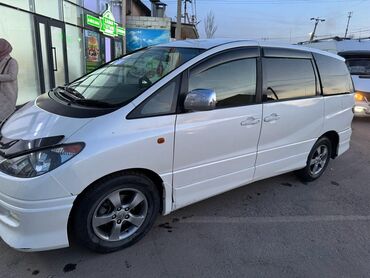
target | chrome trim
[{"x": 200, "y": 100}]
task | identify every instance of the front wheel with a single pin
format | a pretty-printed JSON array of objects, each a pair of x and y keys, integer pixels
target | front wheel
[
  {"x": 317, "y": 161},
  {"x": 116, "y": 212}
]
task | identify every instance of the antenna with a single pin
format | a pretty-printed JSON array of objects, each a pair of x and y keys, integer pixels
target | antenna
[
  {"x": 317, "y": 20},
  {"x": 349, "y": 18}
]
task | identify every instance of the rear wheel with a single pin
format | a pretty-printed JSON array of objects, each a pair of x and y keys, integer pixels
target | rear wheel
[
  {"x": 116, "y": 213},
  {"x": 317, "y": 161}
]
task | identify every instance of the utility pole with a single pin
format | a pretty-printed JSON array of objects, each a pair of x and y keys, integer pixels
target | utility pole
[
  {"x": 186, "y": 14},
  {"x": 178, "y": 24},
  {"x": 349, "y": 18},
  {"x": 317, "y": 20}
]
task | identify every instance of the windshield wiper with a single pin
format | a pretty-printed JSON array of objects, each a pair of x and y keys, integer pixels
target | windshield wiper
[
  {"x": 94, "y": 103},
  {"x": 72, "y": 95},
  {"x": 69, "y": 92}
]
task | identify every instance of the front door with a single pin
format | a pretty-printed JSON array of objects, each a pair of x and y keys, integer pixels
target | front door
[
  {"x": 51, "y": 52},
  {"x": 215, "y": 150}
]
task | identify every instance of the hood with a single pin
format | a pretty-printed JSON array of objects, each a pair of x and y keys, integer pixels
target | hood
[
  {"x": 361, "y": 83},
  {"x": 32, "y": 123}
]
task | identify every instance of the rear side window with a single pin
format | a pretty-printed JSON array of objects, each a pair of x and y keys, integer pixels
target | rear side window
[
  {"x": 335, "y": 78},
  {"x": 288, "y": 78},
  {"x": 234, "y": 82}
]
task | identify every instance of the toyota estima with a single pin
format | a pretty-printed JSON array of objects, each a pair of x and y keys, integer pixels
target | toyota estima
[{"x": 162, "y": 128}]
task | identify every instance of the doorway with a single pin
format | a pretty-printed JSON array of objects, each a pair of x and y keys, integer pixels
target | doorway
[{"x": 51, "y": 53}]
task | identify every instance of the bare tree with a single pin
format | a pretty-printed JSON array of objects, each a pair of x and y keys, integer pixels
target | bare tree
[{"x": 210, "y": 26}]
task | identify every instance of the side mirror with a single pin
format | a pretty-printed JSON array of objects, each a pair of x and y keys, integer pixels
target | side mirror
[{"x": 200, "y": 100}]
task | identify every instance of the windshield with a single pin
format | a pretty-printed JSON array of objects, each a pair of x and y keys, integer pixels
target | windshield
[
  {"x": 124, "y": 79},
  {"x": 359, "y": 66}
]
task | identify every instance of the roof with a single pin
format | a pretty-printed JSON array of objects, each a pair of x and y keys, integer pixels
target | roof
[{"x": 211, "y": 43}]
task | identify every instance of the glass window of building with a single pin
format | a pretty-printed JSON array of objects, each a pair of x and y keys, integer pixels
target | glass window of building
[
  {"x": 75, "y": 52},
  {"x": 23, "y": 4},
  {"x": 92, "y": 5},
  {"x": 49, "y": 8},
  {"x": 72, "y": 13},
  {"x": 118, "y": 48},
  {"x": 18, "y": 30}
]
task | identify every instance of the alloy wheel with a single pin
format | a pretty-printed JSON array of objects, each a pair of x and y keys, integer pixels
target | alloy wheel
[
  {"x": 120, "y": 214},
  {"x": 318, "y": 160}
]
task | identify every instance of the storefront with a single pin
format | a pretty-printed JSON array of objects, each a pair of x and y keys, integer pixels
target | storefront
[{"x": 57, "y": 41}]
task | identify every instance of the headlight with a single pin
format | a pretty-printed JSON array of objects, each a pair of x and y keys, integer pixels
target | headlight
[{"x": 39, "y": 162}]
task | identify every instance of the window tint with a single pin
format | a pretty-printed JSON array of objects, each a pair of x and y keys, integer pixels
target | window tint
[
  {"x": 234, "y": 82},
  {"x": 162, "y": 102},
  {"x": 335, "y": 78},
  {"x": 288, "y": 78}
]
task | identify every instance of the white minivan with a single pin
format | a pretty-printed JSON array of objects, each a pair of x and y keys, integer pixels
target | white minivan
[
  {"x": 162, "y": 128},
  {"x": 358, "y": 63}
]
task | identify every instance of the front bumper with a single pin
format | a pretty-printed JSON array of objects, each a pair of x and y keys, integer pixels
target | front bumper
[
  {"x": 35, "y": 225},
  {"x": 34, "y": 212}
]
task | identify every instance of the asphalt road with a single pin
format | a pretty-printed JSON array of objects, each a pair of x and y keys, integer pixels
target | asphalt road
[{"x": 278, "y": 227}]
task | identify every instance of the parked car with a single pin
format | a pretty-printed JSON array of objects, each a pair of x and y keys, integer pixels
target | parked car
[
  {"x": 162, "y": 128},
  {"x": 358, "y": 63}
]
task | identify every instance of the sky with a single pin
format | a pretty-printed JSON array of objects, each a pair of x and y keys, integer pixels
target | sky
[{"x": 280, "y": 20}]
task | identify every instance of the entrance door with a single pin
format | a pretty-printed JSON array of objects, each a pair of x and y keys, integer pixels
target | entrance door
[{"x": 51, "y": 53}]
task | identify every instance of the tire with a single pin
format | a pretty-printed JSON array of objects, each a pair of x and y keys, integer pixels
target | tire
[
  {"x": 116, "y": 212},
  {"x": 310, "y": 173}
]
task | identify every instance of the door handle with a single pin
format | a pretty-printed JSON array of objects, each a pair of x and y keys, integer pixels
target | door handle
[
  {"x": 250, "y": 121},
  {"x": 272, "y": 118},
  {"x": 55, "y": 58}
]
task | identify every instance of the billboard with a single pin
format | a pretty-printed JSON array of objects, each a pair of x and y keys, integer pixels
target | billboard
[{"x": 138, "y": 37}]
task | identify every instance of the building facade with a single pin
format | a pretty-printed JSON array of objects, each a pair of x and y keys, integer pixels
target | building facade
[{"x": 57, "y": 41}]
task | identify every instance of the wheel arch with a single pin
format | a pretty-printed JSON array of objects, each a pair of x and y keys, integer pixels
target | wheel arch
[
  {"x": 333, "y": 136},
  {"x": 153, "y": 176}
]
